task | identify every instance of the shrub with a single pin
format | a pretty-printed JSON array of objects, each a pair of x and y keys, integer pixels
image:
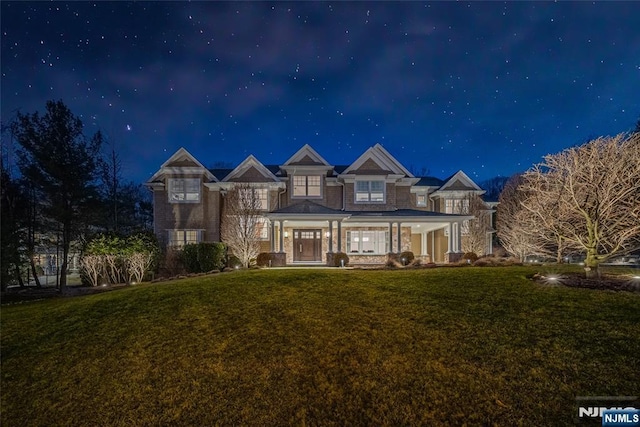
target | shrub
[
  {"x": 234, "y": 262},
  {"x": 407, "y": 257},
  {"x": 263, "y": 259},
  {"x": 416, "y": 262},
  {"x": 338, "y": 259},
  {"x": 203, "y": 257},
  {"x": 470, "y": 257},
  {"x": 483, "y": 262},
  {"x": 392, "y": 263}
]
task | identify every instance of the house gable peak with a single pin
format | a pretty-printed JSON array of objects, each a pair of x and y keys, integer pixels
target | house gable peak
[
  {"x": 250, "y": 170},
  {"x": 306, "y": 156},
  {"x": 378, "y": 159},
  {"x": 182, "y": 162}
]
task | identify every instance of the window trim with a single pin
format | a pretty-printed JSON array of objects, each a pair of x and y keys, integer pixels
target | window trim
[
  {"x": 175, "y": 243},
  {"x": 360, "y": 238},
  {"x": 369, "y": 191},
  {"x": 172, "y": 182},
  {"x": 306, "y": 187},
  {"x": 256, "y": 190}
]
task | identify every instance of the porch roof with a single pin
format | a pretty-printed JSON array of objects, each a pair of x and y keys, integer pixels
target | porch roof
[
  {"x": 404, "y": 215},
  {"x": 307, "y": 210}
]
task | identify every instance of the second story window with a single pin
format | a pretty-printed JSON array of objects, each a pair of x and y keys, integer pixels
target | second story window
[
  {"x": 370, "y": 191},
  {"x": 306, "y": 186},
  {"x": 184, "y": 190},
  {"x": 261, "y": 195},
  {"x": 456, "y": 206},
  {"x": 421, "y": 200}
]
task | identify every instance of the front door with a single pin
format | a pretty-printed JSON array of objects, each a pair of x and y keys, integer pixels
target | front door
[{"x": 307, "y": 245}]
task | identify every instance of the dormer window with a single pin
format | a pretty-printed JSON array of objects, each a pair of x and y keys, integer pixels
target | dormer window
[
  {"x": 421, "y": 200},
  {"x": 370, "y": 191},
  {"x": 184, "y": 190},
  {"x": 307, "y": 186}
]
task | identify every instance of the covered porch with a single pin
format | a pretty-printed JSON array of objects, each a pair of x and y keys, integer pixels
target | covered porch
[{"x": 308, "y": 233}]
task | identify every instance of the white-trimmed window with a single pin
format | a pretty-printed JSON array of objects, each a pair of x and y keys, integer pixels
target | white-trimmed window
[
  {"x": 370, "y": 191},
  {"x": 367, "y": 242},
  {"x": 263, "y": 196},
  {"x": 421, "y": 200},
  {"x": 184, "y": 190},
  {"x": 307, "y": 186},
  {"x": 263, "y": 229},
  {"x": 456, "y": 206},
  {"x": 183, "y": 237}
]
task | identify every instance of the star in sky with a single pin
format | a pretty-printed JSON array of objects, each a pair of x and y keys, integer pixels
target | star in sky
[{"x": 484, "y": 87}]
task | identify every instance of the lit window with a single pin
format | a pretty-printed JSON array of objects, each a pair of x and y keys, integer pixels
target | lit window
[
  {"x": 421, "y": 200},
  {"x": 307, "y": 186},
  {"x": 367, "y": 242},
  {"x": 456, "y": 206},
  {"x": 184, "y": 190},
  {"x": 183, "y": 237},
  {"x": 263, "y": 229},
  {"x": 370, "y": 191},
  {"x": 261, "y": 194}
]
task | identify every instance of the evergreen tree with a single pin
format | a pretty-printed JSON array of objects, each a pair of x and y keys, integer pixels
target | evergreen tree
[{"x": 60, "y": 164}]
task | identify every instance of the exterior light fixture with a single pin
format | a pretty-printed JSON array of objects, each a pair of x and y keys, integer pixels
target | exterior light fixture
[
  {"x": 286, "y": 234},
  {"x": 327, "y": 234}
]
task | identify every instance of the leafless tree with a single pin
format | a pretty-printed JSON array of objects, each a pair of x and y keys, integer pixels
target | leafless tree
[
  {"x": 242, "y": 222},
  {"x": 137, "y": 264},
  {"x": 546, "y": 217},
  {"x": 92, "y": 266},
  {"x": 513, "y": 221},
  {"x": 477, "y": 230},
  {"x": 594, "y": 190}
]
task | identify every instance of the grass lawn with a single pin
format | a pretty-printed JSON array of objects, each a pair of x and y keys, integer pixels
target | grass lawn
[{"x": 445, "y": 346}]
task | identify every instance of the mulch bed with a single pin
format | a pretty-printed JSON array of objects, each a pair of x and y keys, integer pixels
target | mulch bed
[{"x": 617, "y": 282}]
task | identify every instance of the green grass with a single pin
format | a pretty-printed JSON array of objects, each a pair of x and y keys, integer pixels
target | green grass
[{"x": 450, "y": 346}]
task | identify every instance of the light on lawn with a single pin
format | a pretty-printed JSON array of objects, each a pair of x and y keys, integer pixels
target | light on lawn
[{"x": 636, "y": 277}]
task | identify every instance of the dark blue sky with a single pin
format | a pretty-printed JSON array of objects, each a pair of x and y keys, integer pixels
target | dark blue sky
[{"x": 484, "y": 87}]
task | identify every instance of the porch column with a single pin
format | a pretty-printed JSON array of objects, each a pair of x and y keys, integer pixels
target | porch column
[
  {"x": 458, "y": 237},
  {"x": 450, "y": 238},
  {"x": 340, "y": 236},
  {"x": 423, "y": 244},
  {"x": 273, "y": 236},
  {"x": 399, "y": 237},
  {"x": 390, "y": 238},
  {"x": 281, "y": 237},
  {"x": 330, "y": 236}
]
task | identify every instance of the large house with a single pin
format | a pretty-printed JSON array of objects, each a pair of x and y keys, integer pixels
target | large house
[{"x": 313, "y": 209}]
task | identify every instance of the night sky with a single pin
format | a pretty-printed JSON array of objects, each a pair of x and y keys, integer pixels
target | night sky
[{"x": 484, "y": 87}]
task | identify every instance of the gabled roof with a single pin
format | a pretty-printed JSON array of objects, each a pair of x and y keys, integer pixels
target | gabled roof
[
  {"x": 306, "y": 156},
  {"x": 244, "y": 167},
  {"x": 377, "y": 155},
  {"x": 460, "y": 181},
  {"x": 181, "y": 159}
]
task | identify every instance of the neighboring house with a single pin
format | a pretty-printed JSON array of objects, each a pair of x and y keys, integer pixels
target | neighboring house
[{"x": 312, "y": 209}]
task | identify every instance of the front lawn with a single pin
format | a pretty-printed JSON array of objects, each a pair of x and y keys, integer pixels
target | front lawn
[{"x": 444, "y": 346}]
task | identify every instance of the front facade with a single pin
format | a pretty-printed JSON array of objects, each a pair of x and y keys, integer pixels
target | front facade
[{"x": 312, "y": 209}]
